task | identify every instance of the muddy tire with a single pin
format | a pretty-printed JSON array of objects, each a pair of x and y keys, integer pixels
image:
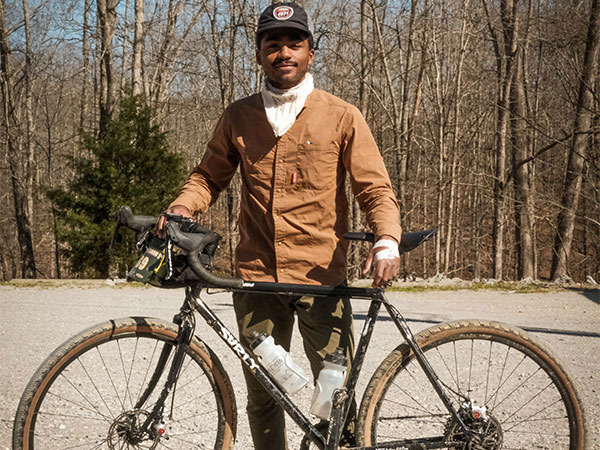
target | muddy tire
[
  {"x": 523, "y": 396},
  {"x": 86, "y": 394}
]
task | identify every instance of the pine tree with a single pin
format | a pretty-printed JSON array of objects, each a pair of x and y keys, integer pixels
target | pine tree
[{"x": 129, "y": 165}]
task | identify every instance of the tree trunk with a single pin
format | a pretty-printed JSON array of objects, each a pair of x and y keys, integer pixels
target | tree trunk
[
  {"x": 464, "y": 39},
  {"x": 518, "y": 126},
  {"x": 402, "y": 161},
  {"x": 505, "y": 72},
  {"x": 138, "y": 48},
  {"x": 29, "y": 124},
  {"x": 20, "y": 168},
  {"x": 579, "y": 145},
  {"x": 363, "y": 100},
  {"x": 85, "y": 53},
  {"x": 394, "y": 104},
  {"x": 107, "y": 15}
]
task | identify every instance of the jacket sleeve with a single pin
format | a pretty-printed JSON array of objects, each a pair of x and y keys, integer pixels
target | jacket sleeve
[
  {"x": 215, "y": 171},
  {"x": 368, "y": 176}
]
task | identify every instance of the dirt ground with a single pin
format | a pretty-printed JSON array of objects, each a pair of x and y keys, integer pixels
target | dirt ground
[{"x": 36, "y": 319}]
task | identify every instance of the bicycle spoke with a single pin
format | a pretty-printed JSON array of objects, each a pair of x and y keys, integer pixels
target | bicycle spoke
[
  {"x": 97, "y": 444},
  {"x": 517, "y": 388},
  {"x": 528, "y": 401},
  {"x": 96, "y": 388},
  {"x": 148, "y": 366},
  {"x": 90, "y": 403},
  {"x": 191, "y": 381},
  {"x": 452, "y": 377},
  {"x": 127, "y": 394},
  {"x": 204, "y": 413},
  {"x": 107, "y": 419},
  {"x": 506, "y": 380},
  {"x": 419, "y": 406},
  {"x": 479, "y": 370},
  {"x": 112, "y": 383},
  {"x": 192, "y": 400},
  {"x": 186, "y": 441},
  {"x": 488, "y": 372}
]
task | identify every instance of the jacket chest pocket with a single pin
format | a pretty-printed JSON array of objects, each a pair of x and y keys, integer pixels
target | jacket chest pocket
[{"x": 317, "y": 165}]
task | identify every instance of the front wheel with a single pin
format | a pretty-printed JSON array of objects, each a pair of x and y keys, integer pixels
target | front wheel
[
  {"x": 93, "y": 393},
  {"x": 507, "y": 388}
]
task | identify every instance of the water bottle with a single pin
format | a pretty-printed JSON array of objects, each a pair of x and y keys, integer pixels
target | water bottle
[
  {"x": 278, "y": 362},
  {"x": 331, "y": 377}
]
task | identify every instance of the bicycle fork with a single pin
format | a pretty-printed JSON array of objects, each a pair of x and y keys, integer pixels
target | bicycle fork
[{"x": 154, "y": 425}]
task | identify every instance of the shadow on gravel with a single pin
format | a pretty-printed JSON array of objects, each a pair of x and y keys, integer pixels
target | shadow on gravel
[
  {"x": 592, "y": 334},
  {"x": 590, "y": 294}
]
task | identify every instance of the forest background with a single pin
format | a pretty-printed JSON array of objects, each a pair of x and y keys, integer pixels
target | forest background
[{"x": 486, "y": 113}]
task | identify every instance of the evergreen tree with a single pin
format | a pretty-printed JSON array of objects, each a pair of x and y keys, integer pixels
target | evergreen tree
[{"x": 129, "y": 165}]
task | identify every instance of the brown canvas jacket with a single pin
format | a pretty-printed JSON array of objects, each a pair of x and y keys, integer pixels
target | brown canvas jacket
[{"x": 293, "y": 208}]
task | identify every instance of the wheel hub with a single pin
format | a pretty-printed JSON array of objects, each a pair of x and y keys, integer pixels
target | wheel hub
[
  {"x": 485, "y": 428},
  {"x": 127, "y": 429}
]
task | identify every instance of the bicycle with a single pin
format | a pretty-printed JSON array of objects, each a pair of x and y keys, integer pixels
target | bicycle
[{"x": 145, "y": 383}]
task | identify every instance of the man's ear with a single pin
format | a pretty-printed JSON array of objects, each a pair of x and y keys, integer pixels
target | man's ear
[
  {"x": 258, "y": 60},
  {"x": 311, "y": 56}
]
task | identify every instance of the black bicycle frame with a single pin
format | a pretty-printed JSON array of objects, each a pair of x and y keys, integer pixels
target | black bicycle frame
[{"x": 344, "y": 396}]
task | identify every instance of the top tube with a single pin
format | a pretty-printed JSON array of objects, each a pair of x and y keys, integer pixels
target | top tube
[{"x": 309, "y": 289}]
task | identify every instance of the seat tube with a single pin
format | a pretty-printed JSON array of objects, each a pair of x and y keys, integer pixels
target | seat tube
[{"x": 343, "y": 397}]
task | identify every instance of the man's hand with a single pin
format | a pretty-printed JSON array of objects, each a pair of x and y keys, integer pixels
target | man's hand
[
  {"x": 162, "y": 221},
  {"x": 384, "y": 270}
]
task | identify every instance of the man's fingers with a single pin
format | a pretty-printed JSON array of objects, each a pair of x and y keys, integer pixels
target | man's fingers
[
  {"x": 162, "y": 220},
  {"x": 160, "y": 227},
  {"x": 378, "y": 273},
  {"x": 385, "y": 271},
  {"x": 368, "y": 263}
]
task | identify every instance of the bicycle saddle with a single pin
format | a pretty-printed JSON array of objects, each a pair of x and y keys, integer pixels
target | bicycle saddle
[{"x": 408, "y": 242}]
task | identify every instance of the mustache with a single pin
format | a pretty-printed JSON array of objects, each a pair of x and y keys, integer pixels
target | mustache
[{"x": 287, "y": 62}]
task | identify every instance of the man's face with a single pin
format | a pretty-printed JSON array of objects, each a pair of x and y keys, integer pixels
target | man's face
[{"x": 285, "y": 57}]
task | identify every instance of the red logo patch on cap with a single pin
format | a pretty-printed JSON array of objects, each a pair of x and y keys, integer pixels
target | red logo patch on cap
[{"x": 283, "y": 12}]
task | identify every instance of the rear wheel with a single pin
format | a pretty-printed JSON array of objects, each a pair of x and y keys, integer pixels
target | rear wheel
[
  {"x": 510, "y": 391},
  {"x": 91, "y": 393}
]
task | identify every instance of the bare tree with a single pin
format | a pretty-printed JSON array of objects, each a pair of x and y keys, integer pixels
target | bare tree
[
  {"x": 582, "y": 137},
  {"x": 520, "y": 146},
  {"x": 475, "y": 131},
  {"x": 138, "y": 48},
  {"x": 85, "y": 55},
  {"x": 19, "y": 139},
  {"x": 504, "y": 50},
  {"x": 107, "y": 17}
]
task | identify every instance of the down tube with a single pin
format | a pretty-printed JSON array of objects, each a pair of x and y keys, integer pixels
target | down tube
[{"x": 259, "y": 373}]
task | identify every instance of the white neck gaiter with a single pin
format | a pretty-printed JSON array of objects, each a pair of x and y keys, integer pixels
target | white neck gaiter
[{"x": 282, "y": 106}]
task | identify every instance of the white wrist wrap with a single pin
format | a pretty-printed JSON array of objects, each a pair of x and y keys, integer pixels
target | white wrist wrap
[{"x": 390, "y": 249}]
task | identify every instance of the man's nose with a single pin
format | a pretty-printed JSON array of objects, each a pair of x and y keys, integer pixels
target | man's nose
[{"x": 285, "y": 52}]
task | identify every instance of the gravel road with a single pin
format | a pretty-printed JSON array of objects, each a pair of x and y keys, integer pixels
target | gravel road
[{"x": 37, "y": 319}]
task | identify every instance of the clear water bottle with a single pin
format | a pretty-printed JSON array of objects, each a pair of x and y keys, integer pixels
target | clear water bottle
[
  {"x": 331, "y": 377},
  {"x": 278, "y": 362}
]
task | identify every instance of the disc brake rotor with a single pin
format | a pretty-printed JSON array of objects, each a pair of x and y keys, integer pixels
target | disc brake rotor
[{"x": 126, "y": 430}]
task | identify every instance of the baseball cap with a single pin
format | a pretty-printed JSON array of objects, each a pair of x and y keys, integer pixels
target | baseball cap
[{"x": 284, "y": 15}]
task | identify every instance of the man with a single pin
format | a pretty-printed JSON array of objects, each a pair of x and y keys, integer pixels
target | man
[{"x": 294, "y": 146}]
